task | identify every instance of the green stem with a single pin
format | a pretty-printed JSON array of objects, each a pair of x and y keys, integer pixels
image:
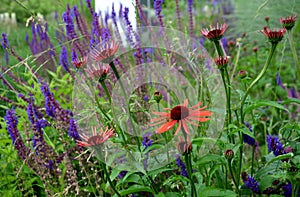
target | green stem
[
  {"x": 152, "y": 183},
  {"x": 188, "y": 161},
  {"x": 294, "y": 52},
  {"x": 105, "y": 89},
  {"x": 232, "y": 175},
  {"x": 108, "y": 178},
  {"x": 226, "y": 92},
  {"x": 227, "y": 86},
  {"x": 259, "y": 76},
  {"x": 113, "y": 67},
  {"x": 252, "y": 162},
  {"x": 229, "y": 99}
]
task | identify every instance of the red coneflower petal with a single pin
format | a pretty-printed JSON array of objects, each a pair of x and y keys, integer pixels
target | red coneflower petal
[
  {"x": 178, "y": 128},
  {"x": 165, "y": 127},
  {"x": 198, "y": 119},
  {"x": 185, "y": 126},
  {"x": 201, "y": 113}
]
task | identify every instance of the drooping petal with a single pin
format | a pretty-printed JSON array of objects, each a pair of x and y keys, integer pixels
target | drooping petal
[
  {"x": 201, "y": 113},
  {"x": 178, "y": 128},
  {"x": 185, "y": 126},
  {"x": 165, "y": 127}
]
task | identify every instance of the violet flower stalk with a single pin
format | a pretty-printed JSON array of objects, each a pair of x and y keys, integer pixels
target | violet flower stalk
[
  {"x": 12, "y": 128},
  {"x": 64, "y": 59},
  {"x": 252, "y": 184},
  {"x": 190, "y": 11},
  {"x": 5, "y": 45},
  {"x": 181, "y": 165}
]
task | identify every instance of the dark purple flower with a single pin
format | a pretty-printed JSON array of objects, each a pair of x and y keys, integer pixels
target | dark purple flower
[
  {"x": 72, "y": 130},
  {"x": 246, "y": 138},
  {"x": 49, "y": 99},
  {"x": 181, "y": 165},
  {"x": 122, "y": 174},
  {"x": 274, "y": 145},
  {"x": 252, "y": 184},
  {"x": 129, "y": 28},
  {"x": 64, "y": 59}
]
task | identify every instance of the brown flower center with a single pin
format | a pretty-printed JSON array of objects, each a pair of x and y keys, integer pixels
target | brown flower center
[
  {"x": 94, "y": 140},
  {"x": 179, "y": 113}
]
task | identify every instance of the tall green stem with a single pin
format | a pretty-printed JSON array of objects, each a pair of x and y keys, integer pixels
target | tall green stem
[
  {"x": 113, "y": 67},
  {"x": 227, "y": 86},
  {"x": 108, "y": 178},
  {"x": 188, "y": 161},
  {"x": 232, "y": 175},
  {"x": 105, "y": 90},
  {"x": 259, "y": 76},
  {"x": 294, "y": 52}
]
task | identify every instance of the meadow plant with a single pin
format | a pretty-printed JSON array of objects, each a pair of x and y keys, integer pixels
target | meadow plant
[{"x": 160, "y": 109}]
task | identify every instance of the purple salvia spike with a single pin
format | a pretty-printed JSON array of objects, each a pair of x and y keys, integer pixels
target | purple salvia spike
[
  {"x": 178, "y": 15},
  {"x": 129, "y": 28},
  {"x": 12, "y": 124},
  {"x": 64, "y": 59},
  {"x": 113, "y": 16},
  {"x": 190, "y": 11},
  {"x": 89, "y": 6}
]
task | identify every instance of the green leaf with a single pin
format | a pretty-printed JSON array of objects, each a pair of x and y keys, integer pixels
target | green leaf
[
  {"x": 135, "y": 189},
  {"x": 199, "y": 141},
  {"x": 280, "y": 157},
  {"x": 291, "y": 100},
  {"x": 210, "y": 158},
  {"x": 247, "y": 132},
  {"x": 210, "y": 191},
  {"x": 258, "y": 104}
]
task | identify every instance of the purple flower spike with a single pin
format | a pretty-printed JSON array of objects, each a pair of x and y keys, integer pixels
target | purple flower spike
[
  {"x": 181, "y": 165},
  {"x": 274, "y": 145},
  {"x": 5, "y": 45},
  {"x": 64, "y": 59},
  {"x": 72, "y": 131},
  {"x": 252, "y": 184}
]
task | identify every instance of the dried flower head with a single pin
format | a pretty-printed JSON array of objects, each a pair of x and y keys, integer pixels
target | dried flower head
[
  {"x": 181, "y": 114},
  {"x": 105, "y": 52},
  {"x": 96, "y": 139},
  {"x": 274, "y": 36},
  {"x": 221, "y": 62},
  {"x": 184, "y": 145},
  {"x": 288, "y": 22},
  {"x": 215, "y": 33},
  {"x": 97, "y": 70}
]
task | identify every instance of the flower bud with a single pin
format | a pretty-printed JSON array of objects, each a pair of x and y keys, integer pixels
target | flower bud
[
  {"x": 229, "y": 154},
  {"x": 157, "y": 96}
]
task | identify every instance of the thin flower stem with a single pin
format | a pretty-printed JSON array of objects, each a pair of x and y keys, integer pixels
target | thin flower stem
[
  {"x": 152, "y": 183},
  {"x": 252, "y": 161},
  {"x": 228, "y": 99},
  {"x": 108, "y": 178},
  {"x": 259, "y": 76},
  {"x": 105, "y": 90},
  {"x": 227, "y": 86},
  {"x": 188, "y": 161},
  {"x": 232, "y": 175},
  {"x": 113, "y": 67},
  {"x": 294, "y": 52}
]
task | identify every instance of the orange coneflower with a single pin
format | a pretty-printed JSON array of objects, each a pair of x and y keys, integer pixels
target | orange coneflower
[
  {"x": 181, "y": 114},
  {"x": 96, "y": 139},
  {"x": 215, "y": 33},
  {"x": 105, "y": 52}
]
